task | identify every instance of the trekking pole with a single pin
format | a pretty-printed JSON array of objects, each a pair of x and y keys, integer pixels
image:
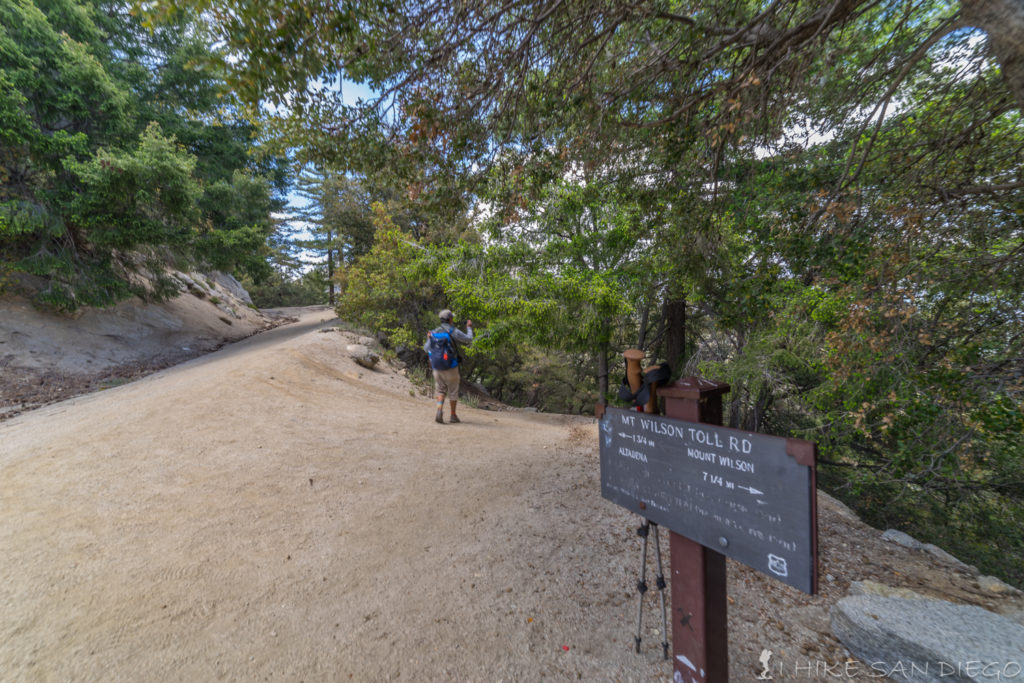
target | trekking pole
[
  {"x": 660, "y": 582},
  {"x": 641, "y": 585}
]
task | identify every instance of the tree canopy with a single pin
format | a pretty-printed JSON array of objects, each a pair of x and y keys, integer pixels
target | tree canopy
[
  {"x": 827, "y": 196},
  {"x": 119, "y": 146}
]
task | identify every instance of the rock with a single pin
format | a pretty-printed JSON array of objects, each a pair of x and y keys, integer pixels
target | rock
[
  {"x": 903, "y": 539},
  {"x": 908, "y": 541},
  {"x": 834, "y": 504},
  {"x": 938, "y": 553},
  {"x": 229, "y": 284},
  {"x": 187, "y": 282},
  {"x": 366, "y": 341},
  {"x": 874, "y": 588},
  {"x": 928, "y": 640},
  {"x": 994, "y": 585},
  {"x": 363, "y": 356}
]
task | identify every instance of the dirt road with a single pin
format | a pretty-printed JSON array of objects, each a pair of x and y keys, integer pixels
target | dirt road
[{"x": 272, "y": 511}]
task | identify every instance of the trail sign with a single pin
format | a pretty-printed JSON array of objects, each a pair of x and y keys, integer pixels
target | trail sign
[{"x": 748, "y": 496}]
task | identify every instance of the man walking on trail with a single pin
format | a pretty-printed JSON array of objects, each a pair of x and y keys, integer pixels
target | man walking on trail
[{"x": 442, "y": 347}]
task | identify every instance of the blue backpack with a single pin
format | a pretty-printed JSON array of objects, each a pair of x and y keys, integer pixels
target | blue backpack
[{"x": 441, "y": 349}]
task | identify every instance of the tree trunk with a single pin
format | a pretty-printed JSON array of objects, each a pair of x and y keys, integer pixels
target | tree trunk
[
  {"x": 602, "y": 373},
  {"x": 753, "y": 421},
  {"x": 1003, "y": 21},
  {"x": 645, "y": 317},
  {"x": 330, "y": 269},
  {"x": 735, "y": 405},
  {"x": 673, "y": 313}
]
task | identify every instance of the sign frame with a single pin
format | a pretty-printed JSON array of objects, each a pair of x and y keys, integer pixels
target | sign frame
[{"x": 746, "y": 495}]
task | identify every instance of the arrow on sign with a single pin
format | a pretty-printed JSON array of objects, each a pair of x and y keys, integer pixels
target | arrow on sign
[{"x": 751, "y": 489}]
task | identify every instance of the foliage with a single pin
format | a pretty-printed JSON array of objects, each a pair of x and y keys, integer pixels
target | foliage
[
  {"x": 117, "y": 149},
  {"x": 860, "y": 286},
  {"x": 393, "y": 288},
  {"x": 236, "y": 223},
  {"x": 335, "y": 220},
  {"x": 146, "y": 196},
  {"x": 279, "y": 290}
]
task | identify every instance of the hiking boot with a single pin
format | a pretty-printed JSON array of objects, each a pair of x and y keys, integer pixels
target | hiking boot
[
  {"x": 454, "y": 419},
  {"x": 440, "y": 417}
]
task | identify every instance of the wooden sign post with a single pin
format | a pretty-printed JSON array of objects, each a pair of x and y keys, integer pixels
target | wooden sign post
[
  {"x": 700, "y": 640},
  {"x": 722, "y": 493}
]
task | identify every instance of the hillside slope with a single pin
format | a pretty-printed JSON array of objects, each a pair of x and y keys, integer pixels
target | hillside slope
[
  {"x": 45, "y": 356},
  {"x": 272, "y": 511}
]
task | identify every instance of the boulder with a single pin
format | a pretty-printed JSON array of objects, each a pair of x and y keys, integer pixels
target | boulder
[
  {"x": 901, "y": 538},
  {"x": 929, "y": 640},
  {"x": 940, "y": 554},
  {"x": 411, "y": 356},
  {"x": 1016, "y": 615},
  {"x": 232, "y": 286},
  {"x": 994, "y": 585},
  {"x": 363, "y": 356},
  {"x": 868, "y": 587},
  {"x": 908, "y": 541},
  {"x": 837, "y": 506}
]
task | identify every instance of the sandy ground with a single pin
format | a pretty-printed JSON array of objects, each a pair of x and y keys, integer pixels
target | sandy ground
[{"x": 272, "y": 511}]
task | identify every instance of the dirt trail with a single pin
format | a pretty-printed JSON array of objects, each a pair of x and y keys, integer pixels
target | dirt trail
[{"x": 272, "y": 511}]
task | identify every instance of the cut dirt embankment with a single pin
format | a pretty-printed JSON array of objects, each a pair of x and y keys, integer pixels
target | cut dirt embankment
[
  {"x": 46, "y": 356},
  {"x": 274, "y": 511}
]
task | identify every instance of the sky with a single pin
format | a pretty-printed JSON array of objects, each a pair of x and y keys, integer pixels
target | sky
[{"x": 351, "y": 93}]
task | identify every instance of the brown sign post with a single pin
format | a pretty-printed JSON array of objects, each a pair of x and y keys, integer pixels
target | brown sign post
[{"x": 700, "y": 643}]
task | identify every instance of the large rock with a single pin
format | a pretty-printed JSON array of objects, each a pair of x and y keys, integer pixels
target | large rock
[
  {"x": 908, "y": 541},
  {"x": 868, "y": 587},
  {"x": 825, "y": 501},
  {"x": 229, "y": 284},
  {"x": 994, "y": 585},
  {"x": 929, "y": 640},
  {"x": 363, "y": 356},
  {"x": 411, "y": 355},
  {"x": 900, "y": 538}
]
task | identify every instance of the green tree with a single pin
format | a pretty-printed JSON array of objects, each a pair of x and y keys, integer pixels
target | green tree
[
  {"x": 862, "y": 288},
  {"x": 393, "y": 288},
  {"x": 115, "y": 138},
  {"x": 338, "y": 218},
  {"x": 566, "y": 278}
]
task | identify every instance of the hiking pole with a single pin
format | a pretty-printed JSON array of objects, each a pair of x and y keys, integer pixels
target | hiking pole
[
  {"x": 641, "y": 585},
  {"x": 660, "y": 582}
]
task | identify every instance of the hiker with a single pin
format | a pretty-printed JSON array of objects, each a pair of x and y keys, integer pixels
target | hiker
[{"x": 442, "y": 347}]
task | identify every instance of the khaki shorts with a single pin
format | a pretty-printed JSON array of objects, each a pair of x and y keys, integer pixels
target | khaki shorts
[{"x": 447, "y": 383}]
